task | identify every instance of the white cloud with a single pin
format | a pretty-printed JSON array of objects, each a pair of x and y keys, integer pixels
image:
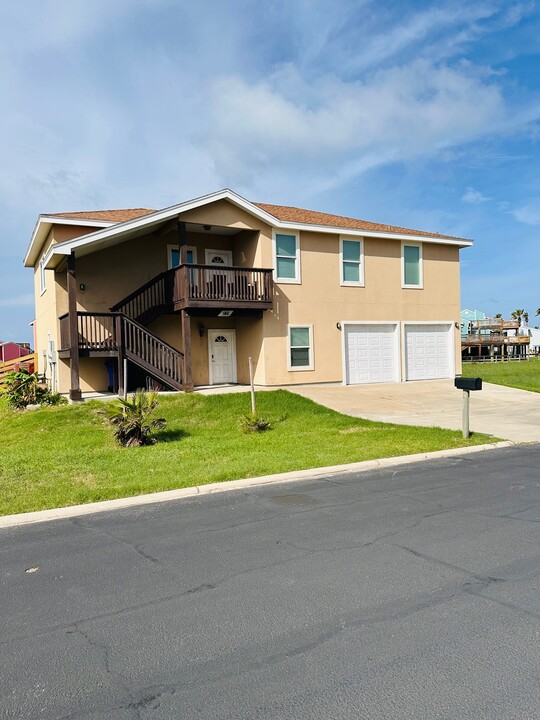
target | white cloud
[
  {"x": 330, "y": 130},
  {"x": 528, "y": 214},
  {"x": 474, "y": 197}
]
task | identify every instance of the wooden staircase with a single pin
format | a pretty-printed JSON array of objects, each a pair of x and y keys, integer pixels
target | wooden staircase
[{"x": 117, "y": 335}]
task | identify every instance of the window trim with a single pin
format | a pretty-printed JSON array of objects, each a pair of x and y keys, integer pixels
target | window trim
[
  {"x": 297, "y": 280},
  {"x": 351, "y": 283},
  {"x": 42, "y": 276},
  {"x": 172, "y": 247},
  {"x": 311, "y": 365},
  {"x": 420, "y": 286}
]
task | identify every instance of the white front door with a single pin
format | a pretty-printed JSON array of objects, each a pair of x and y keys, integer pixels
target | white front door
[
  {"x": 371, "y": 353},
  {"x": 428, "y": 351},
  {"x": 222, "y": 356}
]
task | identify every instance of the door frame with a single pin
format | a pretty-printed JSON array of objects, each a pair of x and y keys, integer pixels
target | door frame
[
  {"x": 451, "y": 344},
  {"x": 212, "y": 334},
  {"x": 397, "y": 345}
]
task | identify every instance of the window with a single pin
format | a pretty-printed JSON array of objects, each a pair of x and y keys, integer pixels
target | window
[
  {"x": 411, "y": 266},
  {"x": 300, "y": 347},
  {"x": 174, "y": 255},
  {"x": 42, "y": 276},
  {"x": 352, "y": 261},
  {"x": 287, "y": 257}
]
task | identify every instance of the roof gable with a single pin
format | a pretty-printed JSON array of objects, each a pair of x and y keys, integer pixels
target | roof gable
[{"x": 277, "y": 216}]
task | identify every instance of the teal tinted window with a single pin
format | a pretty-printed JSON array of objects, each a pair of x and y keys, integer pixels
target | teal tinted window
[
  {"x": 300, "y": 337},
  {"x": 351, "y": 257},
  {"x": 286, "y": 268},
  {"x": 351, "y": 272},
  {"x": 351, "y": 250},
  {"x": 286, "y": 245},
  {"x": 300, "y": 347},
  {"x": 286, "y": 256},
  {"x": 175, "y": 257},
  {"x": 411, "y": 262}
]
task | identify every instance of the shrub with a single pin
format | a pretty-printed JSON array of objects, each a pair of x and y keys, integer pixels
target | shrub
[
  {"x": 254, "y": 423},
  {"x": 24, "y": 388},
  {"x": 132, "y": 418}
]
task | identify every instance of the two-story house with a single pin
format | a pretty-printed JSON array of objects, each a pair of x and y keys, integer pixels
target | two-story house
[{"x": 185, "y": 295}]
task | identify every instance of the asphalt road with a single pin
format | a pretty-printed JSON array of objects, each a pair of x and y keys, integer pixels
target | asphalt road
[{"x": 412, "y": 593}]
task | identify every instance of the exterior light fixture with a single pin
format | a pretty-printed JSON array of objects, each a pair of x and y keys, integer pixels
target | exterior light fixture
[
  {"x": 207, "y": 227},
  {"x": 82, "y": 286},
  {"x": 201, "y": 330}
]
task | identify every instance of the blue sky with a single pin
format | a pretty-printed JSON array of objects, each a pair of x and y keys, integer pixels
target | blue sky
[{"x": 419, "y": 114}]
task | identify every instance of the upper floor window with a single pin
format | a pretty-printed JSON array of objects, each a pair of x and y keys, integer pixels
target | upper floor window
[
  {"x": 287, "y": 252},
  {"x": 411, "y": 265},
  {"x": 174, "y": 255},
  {"x": 42, "y": 276},
  {"x": 352, "y": 261}
]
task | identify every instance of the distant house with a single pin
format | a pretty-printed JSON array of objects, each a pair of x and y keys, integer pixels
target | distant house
[
  {"x": 467, "y": 318},
  {"x": 12, "y": 350}
]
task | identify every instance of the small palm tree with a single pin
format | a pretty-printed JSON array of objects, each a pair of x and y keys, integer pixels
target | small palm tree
[
  {"x": 132, "y": 418},
  {"x": 517, "y": 314}
]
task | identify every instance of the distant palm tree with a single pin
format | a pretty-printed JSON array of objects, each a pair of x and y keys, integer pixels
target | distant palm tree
[
  {"x": 499, "y": 315},
  {"x": 517, "y": 314},
  {"x": 538, "y": 311},
  {"x": 526, "y": 317}
]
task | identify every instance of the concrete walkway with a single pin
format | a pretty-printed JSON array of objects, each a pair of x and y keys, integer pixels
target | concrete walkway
[{"x": 499, "y": 411}]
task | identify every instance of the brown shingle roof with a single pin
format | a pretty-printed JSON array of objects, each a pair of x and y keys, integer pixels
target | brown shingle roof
[
  {"x": 311, "y": 217},
  {"x": 105, "y": 215},
  {"x": 281, "y": 212}
]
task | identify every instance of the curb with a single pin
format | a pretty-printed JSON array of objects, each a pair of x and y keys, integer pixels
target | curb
[{"x": 39, "y": 516}]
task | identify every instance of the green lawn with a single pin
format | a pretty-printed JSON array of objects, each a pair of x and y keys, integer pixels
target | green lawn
[
  {"x": 66, "y": 455},
  {"x": 524, "y": 374}
]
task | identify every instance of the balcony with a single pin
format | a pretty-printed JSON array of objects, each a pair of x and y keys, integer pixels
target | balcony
[{"x": 226, "y": 288}]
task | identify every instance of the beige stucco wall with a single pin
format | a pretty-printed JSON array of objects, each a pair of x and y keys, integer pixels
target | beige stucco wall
[{"x": 320, "y": 300}]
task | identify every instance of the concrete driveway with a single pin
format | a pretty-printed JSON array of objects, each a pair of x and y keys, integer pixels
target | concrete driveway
[{"x": 503, "y": 412}]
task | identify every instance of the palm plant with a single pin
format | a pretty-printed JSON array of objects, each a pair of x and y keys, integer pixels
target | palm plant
[
  {"x": 132, "y": 418},
  {"x": 517, "y": 314}
]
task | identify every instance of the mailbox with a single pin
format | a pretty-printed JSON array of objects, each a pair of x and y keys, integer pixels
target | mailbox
[{"x": 465, "y": 383}]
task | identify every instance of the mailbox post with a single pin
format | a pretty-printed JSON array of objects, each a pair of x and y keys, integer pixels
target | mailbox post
[{"x": 467, "y": 384}]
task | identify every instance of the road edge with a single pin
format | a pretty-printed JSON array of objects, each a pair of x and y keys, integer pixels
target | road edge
[{"x": 39, "y": 516}]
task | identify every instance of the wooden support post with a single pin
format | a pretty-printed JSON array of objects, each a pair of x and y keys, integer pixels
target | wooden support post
[
  {"x": 182, "y": 242},
  {"x": 187, "y": 380},
  {"x": 75, "y": 387},
  {"x": 465, "y": 414},
  {"x": 253, "y": 408},
  {"x": 120, "y": 346}
]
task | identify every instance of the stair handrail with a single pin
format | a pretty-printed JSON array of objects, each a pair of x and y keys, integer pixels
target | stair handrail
[
  {"x": 140, "y": 290},
  {"x": 127, "y": 319}
]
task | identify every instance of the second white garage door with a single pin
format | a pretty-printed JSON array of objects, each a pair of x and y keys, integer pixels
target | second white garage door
[
  {"x": 371, "y": 354},
  {"x": 428, "y": 352}
]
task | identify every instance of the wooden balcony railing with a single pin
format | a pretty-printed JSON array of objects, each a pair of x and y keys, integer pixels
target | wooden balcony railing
[
  {"x": 227, "y": 287},
  {"x": 495, "y": 324},
  {"x": 118, "y": 335},
  {"x": 496, "y": 339},
  {"x": 198, "y": 286}
]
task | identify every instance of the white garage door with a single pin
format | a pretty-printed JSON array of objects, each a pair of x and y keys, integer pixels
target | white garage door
[
  {"x": 371, "y": 354},
  {"x": 427, "y": 352}
]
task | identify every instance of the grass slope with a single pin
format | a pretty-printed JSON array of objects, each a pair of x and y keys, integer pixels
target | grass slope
[
  {"x": 524, "y": 374},
  {"x": 66, "y": 455}
]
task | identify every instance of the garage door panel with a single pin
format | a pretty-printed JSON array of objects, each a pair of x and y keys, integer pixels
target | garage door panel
[
  {"x": 370, "y": 354},
  {"x": 427, "y": 351}
]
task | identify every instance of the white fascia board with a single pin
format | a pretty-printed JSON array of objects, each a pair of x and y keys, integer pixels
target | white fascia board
[
  {"x": 159, "y": 216},
  {"x": 44, "y": 222},
  {"x": 355, "y": 232}
]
